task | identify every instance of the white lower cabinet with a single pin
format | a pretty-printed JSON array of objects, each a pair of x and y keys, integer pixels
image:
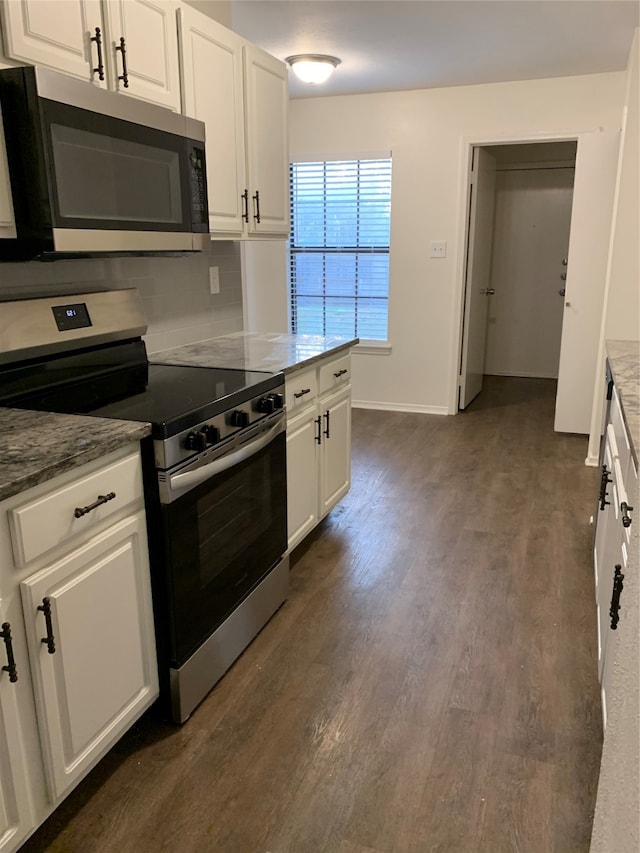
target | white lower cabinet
[
  {"x": 611, "y": 547},
  {"x": 82, "y": 638},
  {"x": 318, "y": 443}
]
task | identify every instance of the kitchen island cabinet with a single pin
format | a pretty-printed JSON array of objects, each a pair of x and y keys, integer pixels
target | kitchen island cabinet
[{"x": 78, "y": 646}]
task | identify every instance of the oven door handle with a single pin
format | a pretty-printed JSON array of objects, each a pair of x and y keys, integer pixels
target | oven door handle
[{"x": 189, "y": 479}]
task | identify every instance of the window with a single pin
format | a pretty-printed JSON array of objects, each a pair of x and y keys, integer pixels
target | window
[{"x": 339, "y": 248}]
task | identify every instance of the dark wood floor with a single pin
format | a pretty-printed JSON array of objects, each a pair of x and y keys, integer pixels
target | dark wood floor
[{"x": 430, "y": 684}]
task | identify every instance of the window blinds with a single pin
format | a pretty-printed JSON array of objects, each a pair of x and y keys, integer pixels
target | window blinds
[{"x": 339, "y": 248}]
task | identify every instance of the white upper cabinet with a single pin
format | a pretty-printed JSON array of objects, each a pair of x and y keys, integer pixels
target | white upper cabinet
[
  {"x": 74, "y": 35},
  {"x": 53, "y": 33},
  {"x": 240, "y": 93},
  {"x": 212, "y": 91},
  {"x": 266, "y": 102},
  {"x": 151, "y": 49}
]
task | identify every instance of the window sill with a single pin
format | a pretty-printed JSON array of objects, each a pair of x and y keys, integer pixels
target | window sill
[{"x": 372, "y": 348}]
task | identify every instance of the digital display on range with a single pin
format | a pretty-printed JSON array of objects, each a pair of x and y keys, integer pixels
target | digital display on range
[{"x": 71, "y": 316}]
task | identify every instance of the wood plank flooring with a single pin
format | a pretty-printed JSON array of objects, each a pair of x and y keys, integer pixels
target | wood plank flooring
[{"x": 429, "y": 686}]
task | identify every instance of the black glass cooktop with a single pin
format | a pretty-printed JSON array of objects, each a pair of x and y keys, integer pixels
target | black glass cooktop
[{"x": 177, "y": 397}]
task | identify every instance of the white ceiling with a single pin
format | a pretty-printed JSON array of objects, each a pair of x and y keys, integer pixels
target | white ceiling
[{"x": 388, "y": 45}]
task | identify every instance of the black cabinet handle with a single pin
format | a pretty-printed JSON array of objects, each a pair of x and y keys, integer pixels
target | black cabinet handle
[
  {"x": 49, "y": 640},
  {"x": 327, "y": 414},
  {"x": 256, "y": 198},
  {"x": 79, "y": 511},
  {"x": 125, "y": 74},
  {"x": 618, "y": 577},
  {"x": 11, "y": 663},
  {"x": 304, "y": 391},
  {"x": 318, "y": 423},
  {"x": 605, "y": 479},
  {"x": 245, "y": 204},
  {"x": 340, "y": 373},
  {"x": 98, "y": 40},
  {"x": 625, "y": 509}
]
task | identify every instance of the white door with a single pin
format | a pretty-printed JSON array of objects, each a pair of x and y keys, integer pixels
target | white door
[
  {"x": 530, "y": 242},
  {"x": 151, "y": 45},
  {"x": 483, "y": 178},
  {"x": 101, "y": 673},
  {"x": 213, "y": 92},
  {"x": 42, "y": 32},
  {"x": 266, "y": 102},
  {"x": 595, "y": 177}
]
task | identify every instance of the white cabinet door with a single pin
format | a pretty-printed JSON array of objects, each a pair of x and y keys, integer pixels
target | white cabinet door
[
  {"x": 56, "y": 34},
  {"x": 15, "y": 816},
  {"x": 212, "y": 91},
  {"x": 266, "y": 102},
  {"x": 302, "y": 476},
  {"x": 100, "y": 672},
  {"x": 335, "y": 458},
  {"x": 151, "y": 44}
]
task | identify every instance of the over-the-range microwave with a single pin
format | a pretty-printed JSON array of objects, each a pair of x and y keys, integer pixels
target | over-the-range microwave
[{"x": 97, "y": 173}]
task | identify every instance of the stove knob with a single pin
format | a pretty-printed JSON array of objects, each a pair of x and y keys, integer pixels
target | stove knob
[
  {"x": 212, "y": 434},
  {"x": 240, "y": 419},
  {"x": 196, "y": 441},
  {"x": 266, "y": 405},
  {"x": 278, "y": 400}
]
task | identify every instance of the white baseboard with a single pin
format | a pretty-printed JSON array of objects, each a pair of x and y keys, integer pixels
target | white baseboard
[
  {"x": 592, "y": 461},
  {"x": 399, "y": 407},
  {"x": 522, "y": 375}
]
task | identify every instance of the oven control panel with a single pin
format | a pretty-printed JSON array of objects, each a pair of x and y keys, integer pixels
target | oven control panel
[{"x": 216, "y": 430}]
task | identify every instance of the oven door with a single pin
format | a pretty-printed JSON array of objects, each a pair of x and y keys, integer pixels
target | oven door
[{"x": 223, "y": 532}]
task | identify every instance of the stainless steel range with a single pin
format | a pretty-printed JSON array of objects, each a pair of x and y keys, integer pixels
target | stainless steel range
[{"x": 215, "y": 471}]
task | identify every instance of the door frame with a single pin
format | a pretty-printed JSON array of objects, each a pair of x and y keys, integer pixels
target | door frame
[{"x": 467, "y": 144}]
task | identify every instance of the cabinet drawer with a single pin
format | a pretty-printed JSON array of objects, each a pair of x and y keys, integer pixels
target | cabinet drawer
[
  {"x": 301, "y": 388},
  {"x": 42, "y": 524},
  {"x": 335, "y": 374}
]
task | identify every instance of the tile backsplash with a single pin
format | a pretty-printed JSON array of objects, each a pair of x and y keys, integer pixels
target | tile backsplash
[{"x": 175, "y": 291}]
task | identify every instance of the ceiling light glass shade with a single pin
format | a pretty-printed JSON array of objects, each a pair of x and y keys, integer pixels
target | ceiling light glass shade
[{"x": 313, "y": 68}]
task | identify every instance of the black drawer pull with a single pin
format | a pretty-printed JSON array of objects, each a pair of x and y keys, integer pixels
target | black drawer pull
[
  {"x": 341, "y": 373},
  {"x": 605, "y": 479},
  {"x": 98, "y": 40},
  {"x": 125, "y": 73},
  {"x": 304, "y": 391},
  {"x": 11, "y": 663},
  {"x": 318, "y": 422},
  {"x": 618, "y": 577},
  {"x": 49, "y": 640},
  {"x": 625, "y": 509},
  {"x": 79, "y": 511}
]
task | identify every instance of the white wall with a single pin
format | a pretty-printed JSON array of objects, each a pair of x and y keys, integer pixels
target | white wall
[
  {"x": 426, "y": 131},
  {"x": 175, "y": 291}
]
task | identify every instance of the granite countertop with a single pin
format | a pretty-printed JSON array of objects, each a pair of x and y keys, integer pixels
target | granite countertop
[
  {"x": 269, "y": 351},
  {"x": 37, "y": 446},
  {"x": 624, "y": 361}
]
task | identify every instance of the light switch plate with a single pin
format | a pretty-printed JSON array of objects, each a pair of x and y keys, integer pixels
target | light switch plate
[
  {"x": 438, "y": 249},
  {"x": 214, "y": 280}
]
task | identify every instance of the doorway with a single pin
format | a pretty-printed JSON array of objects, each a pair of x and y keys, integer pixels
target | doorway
[{"x": 519, "y": 226}]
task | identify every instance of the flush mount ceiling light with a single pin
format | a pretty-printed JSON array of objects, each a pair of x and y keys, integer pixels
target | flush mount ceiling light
[{"x": 313, "y": 68}]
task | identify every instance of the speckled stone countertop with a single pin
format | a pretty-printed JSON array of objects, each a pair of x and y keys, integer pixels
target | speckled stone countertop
[
  {"x": 36, "y": 446},
  {"x": 624, "y": 360},
  {"x": 271, "y": 352}
]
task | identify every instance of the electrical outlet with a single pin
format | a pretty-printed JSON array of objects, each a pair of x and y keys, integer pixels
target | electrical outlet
[
  {"x": 438, "y": 249},
  {"x": 214, "y": 280}
]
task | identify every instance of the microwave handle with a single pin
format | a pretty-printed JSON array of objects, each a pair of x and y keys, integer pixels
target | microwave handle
[{"x": 193, "y": 478}]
